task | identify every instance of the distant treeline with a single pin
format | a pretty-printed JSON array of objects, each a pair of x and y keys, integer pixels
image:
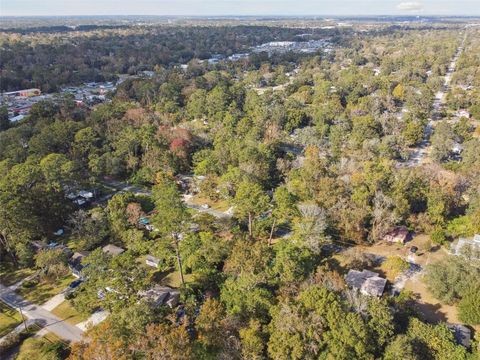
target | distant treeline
[{"x": 62, "y": 28}]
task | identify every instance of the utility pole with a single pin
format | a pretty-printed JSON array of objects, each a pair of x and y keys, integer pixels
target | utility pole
[{"x": 23, "y": 318}]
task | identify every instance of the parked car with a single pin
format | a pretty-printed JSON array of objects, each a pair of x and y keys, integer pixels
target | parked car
[{"x": 74, "y": 284}]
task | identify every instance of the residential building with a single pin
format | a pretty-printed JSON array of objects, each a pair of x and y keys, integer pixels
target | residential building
[
  {"x": 467, "y": 247},
  {"x": 399, "y": 234},
  {"x": 161, "y": 295},
  {"x": 152, "y": 261},
  {"x": 367, "y": 282},
  {"x": 112, "y": 250}
]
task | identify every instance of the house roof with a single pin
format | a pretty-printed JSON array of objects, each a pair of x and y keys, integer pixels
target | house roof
[
  {"x": 368, "y": 282},
  {"x": 79, "y": 255},
  {"x": 159, "y": 295},
  {"x": 153, "y": 259},
  {"x": 399, "y": 233},
  {"x": 112, "y": 249},
  {"x": 473, "y": 243},
  {"x": 463, "y": 335}
]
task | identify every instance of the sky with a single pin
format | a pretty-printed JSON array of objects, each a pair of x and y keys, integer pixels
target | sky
[{"x": 238, "y": 7}]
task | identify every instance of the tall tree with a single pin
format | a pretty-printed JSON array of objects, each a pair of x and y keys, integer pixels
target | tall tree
[
  {"x": 250, "y": 201},
  {"x": 172, "y": 216}
]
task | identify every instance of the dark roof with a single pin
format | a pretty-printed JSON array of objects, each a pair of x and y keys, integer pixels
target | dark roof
[
  {"x": 159, "y": 295},
  {"x": 463, "y": 335}
]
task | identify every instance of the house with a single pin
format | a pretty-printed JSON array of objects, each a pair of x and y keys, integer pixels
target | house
[
  {"x": 152, "y": 261},
  {"x": 367, "y": 282},
  {"x": 81, "y": 197},
  {"x": 400, "y": 234},
  {"x": 38, "y": 245},
  {"x": 75, "y": 263},
  {"x": 462, "y": 334},
  {"x": 463, "y": 113},
  {"x": 470, "y": 247},
  {"x": 112, "y": 250},
  {"x": 161, "y": 295}
]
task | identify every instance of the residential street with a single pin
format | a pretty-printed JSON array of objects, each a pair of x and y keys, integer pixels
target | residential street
[
  {"x": 41, "y": 316},
  {"x": 422, "y": 151}
]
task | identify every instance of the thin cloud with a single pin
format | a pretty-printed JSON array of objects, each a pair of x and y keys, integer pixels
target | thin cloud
[{"x": 410, "y": 6}]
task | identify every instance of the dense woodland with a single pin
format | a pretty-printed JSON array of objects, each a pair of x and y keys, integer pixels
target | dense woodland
[
  {"x": 51, "y": 60},
  {"x": 310, "y": 145}
]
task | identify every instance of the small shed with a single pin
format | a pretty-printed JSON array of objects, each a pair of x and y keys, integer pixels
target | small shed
[
  {"x": 112, "y": 250},
  {"x": 152, "y": 261},
  {"x": 400, "y": 234}
]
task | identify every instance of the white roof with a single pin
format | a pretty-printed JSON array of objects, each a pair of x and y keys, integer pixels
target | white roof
[{"x": 473, "y": 243}]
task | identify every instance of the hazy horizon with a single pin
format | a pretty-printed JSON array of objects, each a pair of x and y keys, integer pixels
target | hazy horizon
[{"x": 203, "y": 8}]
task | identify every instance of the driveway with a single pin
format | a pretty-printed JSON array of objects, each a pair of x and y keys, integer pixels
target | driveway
[{"x": 43, "y": 317}]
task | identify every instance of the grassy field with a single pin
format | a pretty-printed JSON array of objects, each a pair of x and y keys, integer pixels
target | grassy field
[
  {"x": 171, "y": 278},
  {"x": 221, "y": 205},
  {"x": 65, "y": 311},
  {"x": 44, "y": 348},
  {"x": 9, "y": 319},
  {"x": 44, "y": 291}
]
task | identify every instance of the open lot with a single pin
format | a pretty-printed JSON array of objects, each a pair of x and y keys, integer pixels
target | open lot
[
  {"x": 67, "y": 312},
  {"x": 220, "y": 205}
]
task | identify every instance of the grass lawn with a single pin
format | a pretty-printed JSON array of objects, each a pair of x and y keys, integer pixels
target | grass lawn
[
  {"x": 221, "y": 205},
  {"x": 44, "y": 291},
  {"x": 67, "y": 312},
  {"x": 171, "y": 278},
  {"x": 9, "y": 275},
  {"x": 9, "y": 319},
  {"x": 40, "y": 348}
]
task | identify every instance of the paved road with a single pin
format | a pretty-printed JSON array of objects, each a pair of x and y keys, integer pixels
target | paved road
[
  {"x": 422, "y": 151},
  {"x": 41, "y": 316}
]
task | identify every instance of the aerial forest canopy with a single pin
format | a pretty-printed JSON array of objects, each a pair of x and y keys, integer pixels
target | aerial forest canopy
[{"x": 255, "y": 185}]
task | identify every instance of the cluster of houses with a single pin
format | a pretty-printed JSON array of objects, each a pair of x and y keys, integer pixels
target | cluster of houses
[
  {"x": 310, "y": 46},
  {"x": 20, "y": 102},
  {"x": 370, "y": 283},
  {"x": 156, "y": 295}
]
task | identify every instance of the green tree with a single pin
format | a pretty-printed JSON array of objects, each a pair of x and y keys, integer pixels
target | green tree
[
  {"x": 250, "y": 202},
  {"x": 468, "y": 307},
  {"x": 172, "y": 216},
  {"x": 4, "y": 120},
  {"x": 400, "y": 348}
]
